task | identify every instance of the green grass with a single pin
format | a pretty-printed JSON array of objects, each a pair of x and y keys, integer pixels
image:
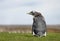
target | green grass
[{"x": 5, "y": 36}]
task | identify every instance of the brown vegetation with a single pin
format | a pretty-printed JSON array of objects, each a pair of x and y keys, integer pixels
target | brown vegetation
[{"x": 26, "y": 28}]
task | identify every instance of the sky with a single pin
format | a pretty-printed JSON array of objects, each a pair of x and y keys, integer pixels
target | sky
[{"x": 14, "y": 12}]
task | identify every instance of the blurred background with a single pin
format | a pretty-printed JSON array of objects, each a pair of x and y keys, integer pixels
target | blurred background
[{"x": 13, "y": 14}]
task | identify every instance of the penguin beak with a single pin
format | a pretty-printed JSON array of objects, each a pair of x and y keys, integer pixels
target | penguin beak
[{"x": 29, "y": 13}]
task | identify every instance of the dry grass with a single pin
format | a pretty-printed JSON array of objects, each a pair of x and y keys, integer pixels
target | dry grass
[
  {"x": 26, "y": 28},
  {"x": 23, "y": 33}
]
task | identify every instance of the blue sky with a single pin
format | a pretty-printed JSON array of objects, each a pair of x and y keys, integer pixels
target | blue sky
[{"x": 14, "y": 11}]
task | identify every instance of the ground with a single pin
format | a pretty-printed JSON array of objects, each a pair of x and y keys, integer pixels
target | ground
[
  {"x": 23, "y": 33},
  {"x": 51, "y": 36}
]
